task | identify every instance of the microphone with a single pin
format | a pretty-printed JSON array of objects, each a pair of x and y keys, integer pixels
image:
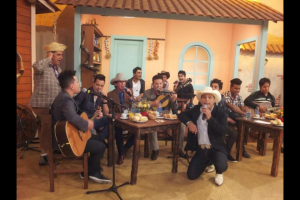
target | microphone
[
  {"x": 158, "y": 90},
  {"x": 203, "y": 115},
  {"x": 125, "y": 89}
]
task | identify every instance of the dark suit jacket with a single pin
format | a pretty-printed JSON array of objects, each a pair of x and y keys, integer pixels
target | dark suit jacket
[
  {"x": 217, "y": 128},
  {"x": 114, "y": 95},
  {"x": 85, "y": 101},
  {"x": 65, "y": 108}
]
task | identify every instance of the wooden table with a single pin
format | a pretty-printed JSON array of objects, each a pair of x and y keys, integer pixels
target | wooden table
[
  {"x": 265, "y": 128},
  {"x": 144, "y": 128}
]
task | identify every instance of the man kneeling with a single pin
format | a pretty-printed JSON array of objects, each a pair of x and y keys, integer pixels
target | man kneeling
[{"x": 207, "y": 126}]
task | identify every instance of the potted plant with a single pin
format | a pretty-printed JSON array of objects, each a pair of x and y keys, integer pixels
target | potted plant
[{"x": 141, "y": 106}]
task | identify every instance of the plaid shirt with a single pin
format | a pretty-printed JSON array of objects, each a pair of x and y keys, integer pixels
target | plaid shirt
[{"x": 237, "y": 101}]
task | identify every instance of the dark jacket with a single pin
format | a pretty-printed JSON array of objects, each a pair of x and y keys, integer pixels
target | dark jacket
[
  {"x": 217, "y": 128},
  {"x": 65, "y": 108},
  {"x": 85, "y": 101},
  {"x": 129, "y": 85}
]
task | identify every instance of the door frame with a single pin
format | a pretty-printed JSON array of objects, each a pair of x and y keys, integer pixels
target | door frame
[
  {"x": 112, "y": 71},
  {"x": 237, "y": 57}
]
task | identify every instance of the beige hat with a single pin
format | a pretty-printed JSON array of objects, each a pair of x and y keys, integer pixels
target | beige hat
[
  {"x": 119, "y": 77},
  {"x": 54, "y": 46},
  {"x": 209, "y": 90}
]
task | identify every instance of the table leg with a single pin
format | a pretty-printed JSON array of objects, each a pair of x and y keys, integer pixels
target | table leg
[
  {"x": 264, "y": 144},
  {"x": 240, "y": 141},
  {"x": 176, "y": 148},
  {"x": 146, "y": 145},
  {"x": 135, "y": 157},
  {"x": 276, "y": 153}
]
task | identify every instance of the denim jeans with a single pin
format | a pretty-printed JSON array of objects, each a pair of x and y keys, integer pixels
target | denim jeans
[
  {"x": 98, "y": 123},
  {"x": 120, "y": 143},
  {"x": 204, "y": 158}
]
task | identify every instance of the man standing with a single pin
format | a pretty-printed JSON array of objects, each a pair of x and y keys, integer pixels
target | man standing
[
  {"x": 136, "y": 84},
  {"x": 151, "y": 95},
  {"x": 65, "y": 108},
  {"x": 235, "y": 106},
  {"x": 46, "y": 88},
  {"x": 166, "y": 76},
  {"x": 123, "y": 98},
  {"x": 90, "y": 104}
]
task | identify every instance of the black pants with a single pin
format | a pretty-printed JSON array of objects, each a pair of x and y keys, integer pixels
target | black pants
[
  {"x": 120, "y": 143},
  {"x": 232, "y": 135},
  {"x": 233, "y": 116},
  {"x": 96, "y": 149},
  {"x": 205, "y": 157}
]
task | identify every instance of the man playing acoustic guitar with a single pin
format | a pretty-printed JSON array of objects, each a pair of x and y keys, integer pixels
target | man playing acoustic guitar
[
  {"x": 65, "y": 108},
  {"x": 152, "y": 95}
]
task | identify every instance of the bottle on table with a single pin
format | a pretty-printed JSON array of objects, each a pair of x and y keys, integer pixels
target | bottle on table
[
  {"x": 257, "y": 111},
  {"x": 248, "y": 113}
]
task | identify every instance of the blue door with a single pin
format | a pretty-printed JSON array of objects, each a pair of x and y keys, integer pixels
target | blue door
[{"x": 127, "y": 53}]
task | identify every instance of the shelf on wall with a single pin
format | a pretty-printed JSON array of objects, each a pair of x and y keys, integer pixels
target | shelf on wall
[
  {"x": 96, "y": 48},
  {"x": 97, "y": 63},
  {"x": 97, "y": 31}
]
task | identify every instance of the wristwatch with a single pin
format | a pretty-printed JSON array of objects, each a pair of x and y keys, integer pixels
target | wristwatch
[{"x": 188, "y": 123}]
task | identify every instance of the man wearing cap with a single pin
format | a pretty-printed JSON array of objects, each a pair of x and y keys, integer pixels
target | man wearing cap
[
  {"x": 136, "y": 84},
  {"x": 207, "y": 126},
  {"x": 166, "y": 76},
  {"x": 120, "y": 96},
  {"x": 46, "y": 88}
]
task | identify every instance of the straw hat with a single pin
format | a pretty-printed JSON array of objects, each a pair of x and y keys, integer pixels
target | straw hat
[
  {"x": 209, "y": 90},
  {"x": 119, "y": 77},
  {"x": 54, "y": 46},
  {"x": 165, "y": 73}
]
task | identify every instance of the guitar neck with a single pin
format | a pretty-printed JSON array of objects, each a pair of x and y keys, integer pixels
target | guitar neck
[{"x": 95, "y": 115}]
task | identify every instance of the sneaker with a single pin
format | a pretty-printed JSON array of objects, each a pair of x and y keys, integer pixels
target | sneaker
[
  {"x": 231, "y": 159},
  {"x": 81, "y": 174},
  {"x": 210, "y": 168},
  {"x": 246, "y": 155},
  {"x": 219, "y": 179},
  {"x": 44, "y": 161},
  {"x": 99, "y": 178}
]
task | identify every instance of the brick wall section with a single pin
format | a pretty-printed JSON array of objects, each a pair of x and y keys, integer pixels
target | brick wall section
[{"x": 24, "y": 83}]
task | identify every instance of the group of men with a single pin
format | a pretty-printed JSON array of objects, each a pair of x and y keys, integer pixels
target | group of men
[{"x": 208, "y": 122}]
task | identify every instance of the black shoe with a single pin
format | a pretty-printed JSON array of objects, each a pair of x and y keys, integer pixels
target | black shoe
[
  {"x": 44, "y": 161},
  {"x": 99, "y": 178},
  {"x": 105, "y": 143},
  {"x": 81, "y": 174},
  {"x": 282, "y": 149},
  {"x": 231, "y": 159},
  {"x": 154, "y": 155},
  {"x": 183, "y": 155},
  {"x": 245, "y": 154}
]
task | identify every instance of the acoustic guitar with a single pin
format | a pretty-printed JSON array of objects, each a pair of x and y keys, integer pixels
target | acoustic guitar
[
  {"x": 71, "y": 141},
  {"x": 164, "y": 99}
]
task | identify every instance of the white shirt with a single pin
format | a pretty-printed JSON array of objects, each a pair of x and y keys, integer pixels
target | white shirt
[
  {"x": 202, "y": 130},
  {"x": 136, "y": 87}
]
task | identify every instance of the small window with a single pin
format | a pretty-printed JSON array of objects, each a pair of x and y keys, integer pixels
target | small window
[{"x": 196, "y": 61}]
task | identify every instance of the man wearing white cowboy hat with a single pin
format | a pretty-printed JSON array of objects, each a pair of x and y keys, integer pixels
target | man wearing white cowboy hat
[
  {"x": 207, "y": 126},
  {"x": 123, "y": 97},
  {"x": 46, "y": 88}
]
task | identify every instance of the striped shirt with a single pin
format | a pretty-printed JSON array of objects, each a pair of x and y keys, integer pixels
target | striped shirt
[{"x": 259, "y": 98}]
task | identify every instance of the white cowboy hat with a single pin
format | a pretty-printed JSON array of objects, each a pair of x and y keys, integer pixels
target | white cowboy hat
[
  {"x": 119, "y": 77},
  {"x": 209, "y": 90}
]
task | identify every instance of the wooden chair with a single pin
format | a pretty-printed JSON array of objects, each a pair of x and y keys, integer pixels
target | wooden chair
[{"x": 53, "y": 171}]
